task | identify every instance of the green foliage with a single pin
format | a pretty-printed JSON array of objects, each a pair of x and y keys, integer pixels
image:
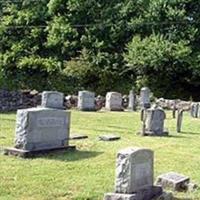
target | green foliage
[{"x": 102, "y": 45}]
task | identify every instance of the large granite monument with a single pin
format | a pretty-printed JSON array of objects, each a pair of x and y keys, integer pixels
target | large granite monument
[
  {"x": 86, "y": 101},
  {"x": 114, "y": 101},
  {"x": 134, "y": 176},
  {"x": 42, "y": 129}
]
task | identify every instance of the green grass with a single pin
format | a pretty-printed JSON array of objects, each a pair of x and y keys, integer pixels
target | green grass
[{"x": 89, "y": 172}]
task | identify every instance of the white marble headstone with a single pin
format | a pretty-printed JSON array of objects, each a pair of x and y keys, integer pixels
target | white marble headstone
[
  {"x": 114, "y": 101},
  {"x": 86, "y": 101},
  {"x": 52, "y": 99}
]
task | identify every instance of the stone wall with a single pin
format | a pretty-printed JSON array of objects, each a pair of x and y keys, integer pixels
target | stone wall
[{"x": 13, "y": 100}]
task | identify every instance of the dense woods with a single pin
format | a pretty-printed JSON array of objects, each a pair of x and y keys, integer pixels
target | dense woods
[{"x": 101, "y": 45}]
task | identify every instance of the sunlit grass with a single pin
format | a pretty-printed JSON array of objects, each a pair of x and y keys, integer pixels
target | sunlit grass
[{"x": 89, "y": 172}]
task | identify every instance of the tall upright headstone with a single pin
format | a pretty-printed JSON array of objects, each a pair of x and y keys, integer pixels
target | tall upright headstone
[
  {"x": 114, "y": 101},
  {"x": 154, "y": 121},
  {"x": 145, "y": 97},
  {"x": 132, "y": 101},
  {"x": 52, "y": 99},
  {"x": 86, "y": 101},
  {"x": 134, "y": 176},
  {"x": 195, "y": 110}
]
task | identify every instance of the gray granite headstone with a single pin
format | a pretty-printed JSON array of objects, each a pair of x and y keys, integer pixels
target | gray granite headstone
[
  {"x": 195, "y": 110},
  {"x": 110, "y": 137},
  {"x": 86, "y": 101},
  {"x": 42, "y": 128},
  {"x": 154, "y": 121},
  {"x": 132, "y": 101},
  {"x": 134, "y": 170},
  {"x": 114, "y": 101},
  {"x": 52, "y": 99},
  {"x": 134, "y": 176},
  {"x": 145, "y": 97}
]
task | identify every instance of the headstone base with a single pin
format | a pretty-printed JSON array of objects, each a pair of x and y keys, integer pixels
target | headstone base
[
  {"x": 151, "y": 133},
  {"x": 115, "y": 109},
  {"x": 30, "y": 154},
  {"x": 87, "y": 109},
  {"x": 148, "y": 193}
]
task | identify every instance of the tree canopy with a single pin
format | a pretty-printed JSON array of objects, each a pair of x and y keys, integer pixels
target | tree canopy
[{"x": 101, "y": 45}]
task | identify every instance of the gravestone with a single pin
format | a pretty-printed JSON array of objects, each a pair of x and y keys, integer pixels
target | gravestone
[
  {"x": 134, "y": 176},
  {"x": 179, "y": 120},
  {"x": 40, "y": 130},
  {"x": 154, "y": 122},
  {"x": 145, "y": 97},
  {"x": 86, "y": 101},
  {"x": 173, "y": 180},
  {"x": 52, "y": 99},
  {"x": 195, "y": 110},
  {"x": 114, "y": 101},
  {"x": 132, "y": 101}
]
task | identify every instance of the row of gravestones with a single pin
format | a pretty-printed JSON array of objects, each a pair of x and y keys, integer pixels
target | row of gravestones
[{"x": 86, "y": 100}]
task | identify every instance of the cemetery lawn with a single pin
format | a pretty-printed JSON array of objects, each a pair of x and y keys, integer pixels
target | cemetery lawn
[{"x": 89, "y": 172}]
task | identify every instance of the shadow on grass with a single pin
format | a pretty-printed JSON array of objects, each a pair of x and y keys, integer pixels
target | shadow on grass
[
  {"x": 71, "y": 155},
  {"x": 191, "y": 133}
]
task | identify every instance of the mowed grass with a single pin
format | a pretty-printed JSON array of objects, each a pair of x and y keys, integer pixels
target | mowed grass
[{"x": 89, "y": 172}]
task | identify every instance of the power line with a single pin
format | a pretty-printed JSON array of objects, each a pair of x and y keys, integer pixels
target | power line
[{"x": 108, "y": 24}]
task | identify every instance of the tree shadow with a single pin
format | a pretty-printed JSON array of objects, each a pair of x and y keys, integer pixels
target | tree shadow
[{"x": 70, "y": 156}]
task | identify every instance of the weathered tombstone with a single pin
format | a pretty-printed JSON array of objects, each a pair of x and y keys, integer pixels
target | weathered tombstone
[
  {"x": 154, "y": 122},
  {"x": 134, "y": 176},
  {"x": 52, "y": 99},
  {"x": 86, "y": 101},
  {"x": 179, "y": 120},
  {"x": 194, "y": 110},
  {"x": 114, "y": 101},
  {"x": 173, "y": 180},
  {"x": 145, "y": 97},
  {"x": 132, "y": 101},
  {"x": 40, "y": 130}
]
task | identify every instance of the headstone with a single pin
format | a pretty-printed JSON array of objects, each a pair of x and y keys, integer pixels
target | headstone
[
  {"x": 145, "y": 97},
  {"x": 109, "y": 137},
  {"x": 52, "y": 99},
  {"x": 173, "y": 180},
  {"x": 179, "y": 121},
  {"x": 154, "y": 122},
  {"x": 114, "y": 101},
  {"x": 42, "y": 128},
  {"x": 86, "y": 101},
  {"x": 194, "y": 110},
  {"x": 134, "y": 176},
  {"x": 132, "y": 101}
]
